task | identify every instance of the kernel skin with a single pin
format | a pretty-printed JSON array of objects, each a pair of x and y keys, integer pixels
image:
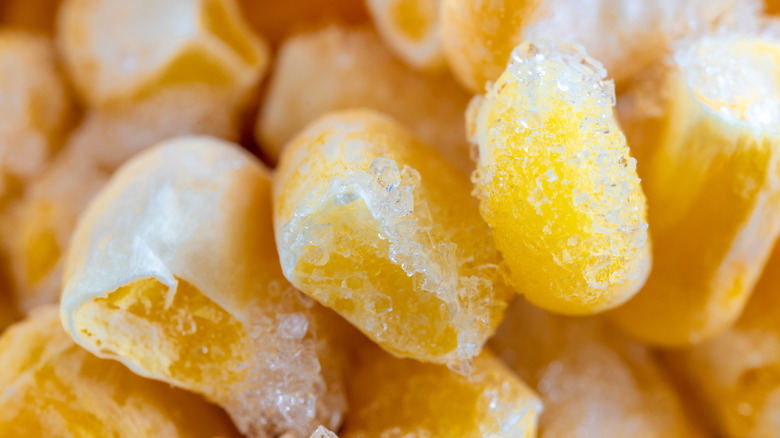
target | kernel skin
[
  {"x": 734, "y": 376},
  {"x": 593, "y": 381},
  {"x": 375, "y": 225},
  {"x": 339, "y": 68},
  {"x": 172, "y": 271},
  {"x": 708, "y": 175},
  {"x": 478, "y": 36},
  {"x": 411, "y": 29},
  {"x": 34, "y": 110},
  {"x": 556, "y": 182},
  {"x": 391, "y": 397},
  {"x": 36, "y": 15},
  {"x": 53, "y": 388},
  {"x": 184, "y": 41}
]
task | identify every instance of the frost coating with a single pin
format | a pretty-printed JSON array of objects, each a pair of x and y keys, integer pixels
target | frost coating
[
  {"x": 556, "y": 182},
  {"x": 365, "y": 225}
]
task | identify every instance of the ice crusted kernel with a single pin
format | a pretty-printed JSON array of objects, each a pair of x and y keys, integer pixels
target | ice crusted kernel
[
  {"x": 391, "y": 397},
  {"x": 49, "y": 386},
  {"x": 593, "y": 382},
  {"x": 710, "y": 169},
  {"x": 173, "y": 271},
  {"x": 557, "y": 184},
  {"x": 376, "y": 226}
]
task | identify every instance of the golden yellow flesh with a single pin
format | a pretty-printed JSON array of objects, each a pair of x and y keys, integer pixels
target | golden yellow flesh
[
  {"x": 411, "y": 29},
  {"x": 478, "y": 36},
  {"x": 593, "y": 382},
  {"x": 376, "y": 226},
  {"x": 736, "y": 375},
  {"x": 338, "y": 68},
  {"x": 184, "y": 42},
  {"x": 392, "y": 397},
  {"x": 51, "y": 387},
  {"x": 152, "y": 280},
  {"x": 713, "y": 190},
  {"x": 556, "y": 182}
]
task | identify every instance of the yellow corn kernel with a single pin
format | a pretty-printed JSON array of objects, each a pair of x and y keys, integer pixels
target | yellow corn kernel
[
  {"x": 712, "y": 188},
  {"x": 118, "y": 51},
  {"x": 592, "y": 381},
  {"x": 736, "y": 375},
  {"x": 402, "y": 397},
  {"x": 556, "y": 182},
  {"x": 37, "y": 228},
  {"x": 277, "y": 20},
  {"x": 478, "y": 35},
  {"x": 375, "y": 225},
  {"x": 411, "y": 29},
  {"x": 53, "y": 388},
  {"x": 336, "y": 68},
  {"x": 34, "y": 105},
  {"x": 172, "y": 270}
]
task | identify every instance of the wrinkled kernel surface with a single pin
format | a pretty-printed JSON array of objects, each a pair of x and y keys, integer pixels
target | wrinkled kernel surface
[
  {"x": 736, "y": 375},
  {"x": 378, "y": 227},
  {"x": 184, "y": 41},
  {"x": 594, "y": 382},
  {"x": 712, "y": 188},
  {"x": 391, "y": 397},
  {"x": 52, "y": 387},
  {"x": 557, "y": 184},
  {"x": 153, "y": 261},
  {"x": 337, "y": 68}
]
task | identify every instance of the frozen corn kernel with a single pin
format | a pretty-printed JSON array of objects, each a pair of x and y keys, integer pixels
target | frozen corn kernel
[
  {"x": 337, "y": 68},
  {"x": 736, "y": 375},
  {"x": 33, "y": 104},
  {"x": 557, "y": 184},
  {"x": 593, "y": 382},
  {"x": 183, "y": 41},
  {"x": 52, "y": 388},
  {"x": 36, "y": 15},
  {"x": 172, "y": 270},
  {"x": 39, "y": 226},
  {"x": 712, "y": 188},
  {"x": 391, "y": 397},
  {"x": 375, "y": 225},
  {"x": 627, "y": 36},
  {"x": 411, "y": 29},
  {"x": 277, "y": 20}
]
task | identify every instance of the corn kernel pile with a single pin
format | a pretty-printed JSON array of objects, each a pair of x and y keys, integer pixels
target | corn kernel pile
[{"x": 390, "y": 218}]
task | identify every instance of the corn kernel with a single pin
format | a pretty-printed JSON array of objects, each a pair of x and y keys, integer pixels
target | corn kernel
[
  {"x": 403, "y": 398},
  {"x": 593, "y": 382},
  {"x": 36, "y": 15},
  {"x": 478, "y": 36},
  {"x": 735, "y": 375},
  {"x": 556, "y": 182},
  {"x": 183, "y": 41},
  {"x": 375, "y": 225},
  {"x": 411, "y": 29},
  {"x": 34, "y": 105},
  {"x": 712, "y": 189},
  {"x": 336, "y": 68},
  {"x": 172, "y": 270},
  {"x": 53, "y": 388}
]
